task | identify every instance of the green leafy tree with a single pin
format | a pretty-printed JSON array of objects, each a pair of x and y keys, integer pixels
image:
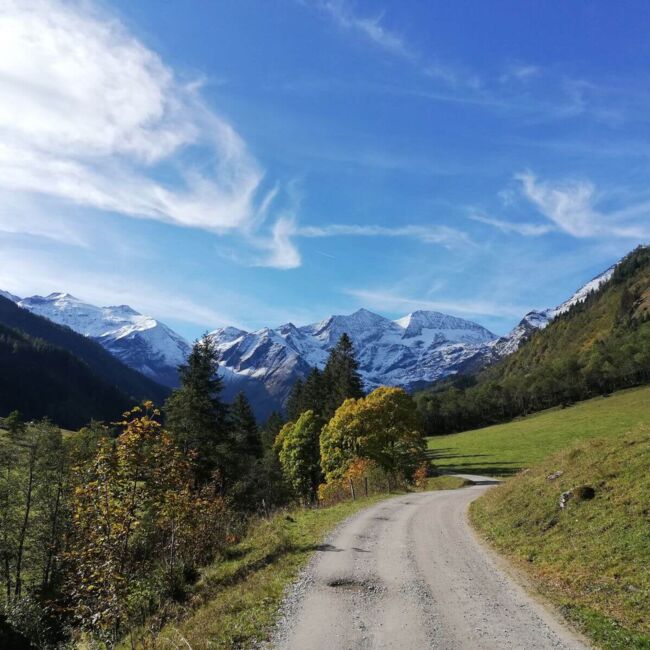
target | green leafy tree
[{"x": 299, "y": 455}]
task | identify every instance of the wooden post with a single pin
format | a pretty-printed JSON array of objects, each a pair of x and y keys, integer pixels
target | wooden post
[
  {"x": 354, "y": 496},
  {"x": 365, "y": 484}
]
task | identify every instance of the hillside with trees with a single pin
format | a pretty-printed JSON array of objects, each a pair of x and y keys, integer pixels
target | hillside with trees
[
  {"x": 49, "y": 370},
  {"x": 598, "y": 346}
]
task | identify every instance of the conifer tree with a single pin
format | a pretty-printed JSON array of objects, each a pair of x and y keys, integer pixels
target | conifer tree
[
  {"x": 341, "y": 376},
  {"x": 244, "y": 431},
  {"x": 315, "y": 394},
  {"x": 270, "y": 430},
  {"x": 195, "y": 415},
  {"x": 295, "y": 400}
]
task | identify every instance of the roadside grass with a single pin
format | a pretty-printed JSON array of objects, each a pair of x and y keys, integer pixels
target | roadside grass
[
  {"x": 237, "y": 597},
  {"x": 504, "y": 449},
  {"x": 593, "y": 558}
]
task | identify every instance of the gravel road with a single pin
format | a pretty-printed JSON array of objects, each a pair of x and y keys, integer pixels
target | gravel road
[{"x": 410, "y": 573}]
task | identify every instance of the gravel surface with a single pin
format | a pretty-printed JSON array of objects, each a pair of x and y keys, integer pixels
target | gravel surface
[{"x": 409, "y": 573}]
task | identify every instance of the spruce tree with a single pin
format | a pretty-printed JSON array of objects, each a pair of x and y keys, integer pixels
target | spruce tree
[
  {"x": 196, "y": 416},
  {"x": 270, "y": 430},
  {"x": 315, "y": 393},
  {"x": 244, "y": 431},
  {"x": 341, "y": 377},
  {"x": 294, "y": 405}
]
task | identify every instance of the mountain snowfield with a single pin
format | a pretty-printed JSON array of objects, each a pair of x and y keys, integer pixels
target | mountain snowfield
[
  {"x": 140, "y": 342},
  {"x": 409, "y": 352}
]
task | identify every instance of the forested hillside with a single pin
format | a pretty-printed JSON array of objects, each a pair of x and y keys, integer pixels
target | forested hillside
[
  {"x": 49, "y": 370},
  {"x": 598, "y": 346},
  {"x": 40, "y": 379}
]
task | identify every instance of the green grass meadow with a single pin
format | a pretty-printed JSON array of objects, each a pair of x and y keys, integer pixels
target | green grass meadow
[
  {"x": 592, "y": 558},
  {"x": 504, "y": 449}
]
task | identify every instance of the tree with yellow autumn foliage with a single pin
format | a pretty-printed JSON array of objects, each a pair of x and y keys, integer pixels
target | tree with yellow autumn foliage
[{"x": 382, "y": 427}]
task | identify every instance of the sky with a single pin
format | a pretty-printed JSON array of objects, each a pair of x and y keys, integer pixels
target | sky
[{"x": 255, "y": 162}]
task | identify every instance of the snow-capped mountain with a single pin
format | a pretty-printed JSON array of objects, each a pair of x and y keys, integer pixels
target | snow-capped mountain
[
  {"x": 536, "y": 320},
  {"x": 408, "y": 352},
  {"x": 141, "y": 342}
]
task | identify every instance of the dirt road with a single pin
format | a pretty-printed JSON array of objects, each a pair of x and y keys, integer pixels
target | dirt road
[{"x": 409, "y": 573}]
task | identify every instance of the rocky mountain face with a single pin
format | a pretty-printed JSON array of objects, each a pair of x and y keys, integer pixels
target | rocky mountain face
[
  {"x": 410, "y": 352},
  {"x": 140, "y": 342}
]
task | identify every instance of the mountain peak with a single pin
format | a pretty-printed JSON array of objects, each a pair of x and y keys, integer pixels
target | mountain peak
[
  {"x": 442, "y": 326},
  {"x": 58, "y": 295}
]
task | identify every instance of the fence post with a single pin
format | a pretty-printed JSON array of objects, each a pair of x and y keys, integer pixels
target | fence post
[
  {"x": 354, "y": 496},
  {"x": 365, "y": 484}
]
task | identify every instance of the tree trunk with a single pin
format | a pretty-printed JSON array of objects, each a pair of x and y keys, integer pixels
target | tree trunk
[{"x": 25, "y": 524}]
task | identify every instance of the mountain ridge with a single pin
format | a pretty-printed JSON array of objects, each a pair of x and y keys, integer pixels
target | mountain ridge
[{"x": 412, "y": 351}]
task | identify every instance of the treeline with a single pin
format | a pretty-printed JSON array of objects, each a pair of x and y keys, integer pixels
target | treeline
[
  {"x": 598, "y": 346},
  {"x": 103, "y": 531}
]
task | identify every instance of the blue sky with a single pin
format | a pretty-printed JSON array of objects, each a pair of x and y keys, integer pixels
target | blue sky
[{"x": 251, "y": 163}]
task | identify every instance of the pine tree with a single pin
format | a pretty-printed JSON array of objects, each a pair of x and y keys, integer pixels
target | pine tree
[
  {"x": 315, "y": 394},
  {"x": 195, "y": 415},
  {"x": 295, "y": 401},
  {"x": 341, "y": 376},
  {"x": 244, "y": 431},
  {"x": 270, "y": 430}
]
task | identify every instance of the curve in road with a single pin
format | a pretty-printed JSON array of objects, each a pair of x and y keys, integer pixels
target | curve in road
[{"x": 410, "y": 573}]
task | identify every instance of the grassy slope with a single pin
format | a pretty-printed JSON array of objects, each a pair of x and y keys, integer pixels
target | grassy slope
[
  {"x": 504, "y": 449},
  {"x": 593, "y": 559},
  {"x": 237, "y": 598}
]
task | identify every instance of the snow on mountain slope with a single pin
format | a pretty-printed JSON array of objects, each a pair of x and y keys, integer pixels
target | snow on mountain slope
[
  {"x": 417, "y": 349},
  {"x": 535, "y": 320},
  {"x": 410, "y": 352},
  {"x": 139, "y": 341},
  {"x": 9, "y": 296}
]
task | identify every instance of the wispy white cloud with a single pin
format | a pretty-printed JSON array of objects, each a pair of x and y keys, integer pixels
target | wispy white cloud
[
  {"x": 374, "y": 30},
  {"x": 519, "y": 72},
  {"x": 572, "y": 205},
  {"x": 91, "y": 116},
  {"x": 370, "y": 28},
  {"x": 526, "y": 229},
  {"x": 442, "y": 235},
  {"x": 282, "y": 252}
]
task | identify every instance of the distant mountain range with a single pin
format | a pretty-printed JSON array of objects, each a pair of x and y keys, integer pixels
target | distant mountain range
[{"x": 411, "y": 352}]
